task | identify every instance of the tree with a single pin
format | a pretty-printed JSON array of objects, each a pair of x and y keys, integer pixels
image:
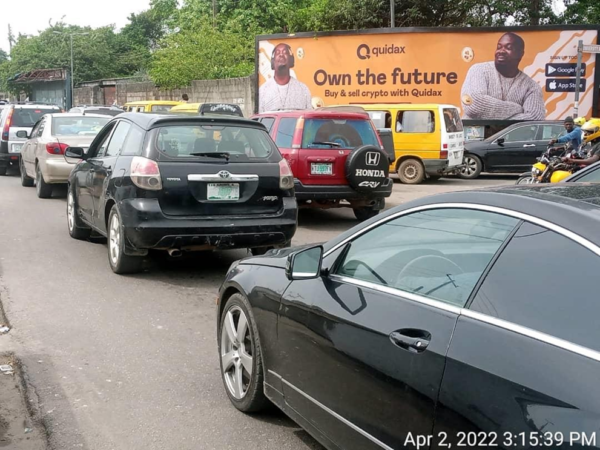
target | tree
[
  {"x": 581, "y": 11},
  {"x": 3, "y": 56}
]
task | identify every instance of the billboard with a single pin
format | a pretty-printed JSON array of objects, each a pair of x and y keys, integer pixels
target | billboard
[{"x": 490, "y": 74}]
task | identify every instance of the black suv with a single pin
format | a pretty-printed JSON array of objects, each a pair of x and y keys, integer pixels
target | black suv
[{"x": 181, "y": 183}]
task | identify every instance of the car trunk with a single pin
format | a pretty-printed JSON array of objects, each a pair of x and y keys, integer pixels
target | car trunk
[
  {"x": 219, "y": 188},
  {"x": 74, "y": 141}
]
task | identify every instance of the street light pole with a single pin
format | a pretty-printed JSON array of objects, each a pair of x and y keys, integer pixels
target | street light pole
[
  {"x": 393, "y": 13},
  {"x": 72, "y": 64}
]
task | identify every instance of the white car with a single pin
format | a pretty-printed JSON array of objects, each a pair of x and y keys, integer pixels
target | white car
[{"x": 42, "y": 156}]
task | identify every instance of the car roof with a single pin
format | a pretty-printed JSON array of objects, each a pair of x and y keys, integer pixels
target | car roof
[
  {"x": 103, "y": 116},
  {"x": 148, "y": 121},
  {"x": 406, "y": 106},
  {"x": 34, "y": 105},
  {"x": 316, "y": 114},
  {"x": 573, "y": 206},
  {"x": 185, "y": 107}
]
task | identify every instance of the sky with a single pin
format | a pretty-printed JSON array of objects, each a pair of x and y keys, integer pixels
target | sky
[{"x": 31, "y": 16}]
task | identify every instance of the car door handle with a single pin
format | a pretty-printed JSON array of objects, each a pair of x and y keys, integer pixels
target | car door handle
[
  {"x": 529, "y": 145},
  {"x": 413, "y": 340}
]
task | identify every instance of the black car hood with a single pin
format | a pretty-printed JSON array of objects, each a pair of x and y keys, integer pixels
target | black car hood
[{"x": 277, "y": 257}]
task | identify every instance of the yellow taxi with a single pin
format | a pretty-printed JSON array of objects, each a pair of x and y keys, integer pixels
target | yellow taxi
[{"x": 156, "y": 106}]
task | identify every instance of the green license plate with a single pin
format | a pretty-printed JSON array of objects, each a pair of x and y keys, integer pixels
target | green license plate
[
  {"x": 223, "y": 191},
  {"x": 321, "y": 169}
]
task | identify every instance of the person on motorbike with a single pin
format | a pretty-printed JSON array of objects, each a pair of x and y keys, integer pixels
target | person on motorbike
[
  {"x": 574, "y": 135},
  {"x": 591, "y": 131}
]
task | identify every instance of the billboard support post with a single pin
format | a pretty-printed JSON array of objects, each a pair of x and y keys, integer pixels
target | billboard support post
[
  {"x": 392, "y": 13},
  {"x": 578, "y": 78}
]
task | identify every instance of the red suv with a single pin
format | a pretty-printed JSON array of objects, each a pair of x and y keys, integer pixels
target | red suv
[{"x": 337, "y": 158}]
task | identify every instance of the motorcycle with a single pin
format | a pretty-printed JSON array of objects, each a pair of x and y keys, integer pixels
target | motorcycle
[{"x": 549, "y": 167}]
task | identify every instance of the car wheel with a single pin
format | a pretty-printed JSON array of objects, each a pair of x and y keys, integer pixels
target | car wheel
[
  {"x": 240, "y": 356},
  {"x": 411, "y": 171},
  {"x": 473, "y": 167},
  {"x": 76, "y": 228},
  {"x": 43, "y": 189},
  {"x": 26, "y": 180},
  {"x": 120, "y": 263},
  {"x": 3, "y": 170},
  {"x": 365, "y": 213}
]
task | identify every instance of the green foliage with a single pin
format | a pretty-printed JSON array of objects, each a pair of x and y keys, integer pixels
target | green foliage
[{"x": 582, "y": 11}]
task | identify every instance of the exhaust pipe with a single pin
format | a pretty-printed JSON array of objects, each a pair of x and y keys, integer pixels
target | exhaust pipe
[{"x": 174, "y": 252}]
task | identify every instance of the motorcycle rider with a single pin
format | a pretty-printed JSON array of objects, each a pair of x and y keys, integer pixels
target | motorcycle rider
[
  {"x": 591, "y": 130},
  {"x": 574, "y": 135}
]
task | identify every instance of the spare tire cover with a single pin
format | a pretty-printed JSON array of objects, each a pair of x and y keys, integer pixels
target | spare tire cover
[{"x": 367, "y": 168}]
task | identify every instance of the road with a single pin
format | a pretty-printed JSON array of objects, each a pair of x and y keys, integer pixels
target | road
[{"x": 117, "y": 362}]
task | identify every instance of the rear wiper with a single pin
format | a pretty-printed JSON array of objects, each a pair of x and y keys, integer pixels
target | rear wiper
[
  {"x": 333, "y": 144},
  {"x": 212, "y": 155}
]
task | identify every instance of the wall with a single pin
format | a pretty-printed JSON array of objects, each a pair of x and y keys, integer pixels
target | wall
[
  {"x": 52, "y": 92},
  {"x": 233, "y": 90}
]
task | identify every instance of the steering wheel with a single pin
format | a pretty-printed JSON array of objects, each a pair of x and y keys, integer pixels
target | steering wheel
[
  {"x": 429, "y": 263},
  {"x": 366, "y": 266}
]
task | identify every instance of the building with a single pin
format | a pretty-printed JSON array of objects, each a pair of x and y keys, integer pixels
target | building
[{"x": 46, "y": 86}]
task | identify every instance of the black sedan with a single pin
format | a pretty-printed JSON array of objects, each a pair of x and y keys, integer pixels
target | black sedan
[
  {"x": 465, "y": 319},
  {"x": 512, "y": 150},
  {"x": 181, "y": 183}
]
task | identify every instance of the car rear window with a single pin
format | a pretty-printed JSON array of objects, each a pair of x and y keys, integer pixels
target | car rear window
[
  {"x": 338, "y": 133},
  {"x": 27, "y": 117},
  {"x": 78, "y": 126},
  {"x": 240, "y": 143},
  {"x": 452, "y": 120}
]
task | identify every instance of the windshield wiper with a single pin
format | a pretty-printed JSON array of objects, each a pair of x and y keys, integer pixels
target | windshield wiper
[
  {"x": 333, "y": 144},
  {"x": 212, "y": 155}
]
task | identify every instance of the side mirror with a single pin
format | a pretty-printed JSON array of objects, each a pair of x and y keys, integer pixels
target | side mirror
[
  {"x": 74, "y": 152},
  {"x": 23, "y": 134},
  {"x": 500, "y": 141},
  {"x": 305, "y": 264}
]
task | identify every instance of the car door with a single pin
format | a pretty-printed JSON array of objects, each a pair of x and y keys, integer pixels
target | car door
[
  {"x": 545, "y": 134},
  {"x": 524, "y": 362},
  {"x": 102, "y": 169},
  {"x": 28, "y": 151},
  {"x": 514, "y": 150},
  {"x": 83, "y": 175},
  {"x": 362, "y": 349}
]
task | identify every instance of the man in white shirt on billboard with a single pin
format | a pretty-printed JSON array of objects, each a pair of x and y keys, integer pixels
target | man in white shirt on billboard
[{"x": 283, "y": 91}]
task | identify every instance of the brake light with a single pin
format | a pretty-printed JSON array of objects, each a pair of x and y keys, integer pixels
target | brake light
[
  {"x": 297, "y": 139},
  {"x": 286, "y": 178},
  {"x": 7, "y": 125},
  {"x": 444, "y": 152},
  {"x": 56, "y": 148},
  {"x": 145, "y": 174}
]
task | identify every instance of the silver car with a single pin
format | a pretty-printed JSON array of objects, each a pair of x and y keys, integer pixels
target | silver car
[{"x": 42, "y": 156}]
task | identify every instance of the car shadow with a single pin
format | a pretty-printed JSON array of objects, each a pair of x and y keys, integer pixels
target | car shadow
[{"x": 274, "y": 416}]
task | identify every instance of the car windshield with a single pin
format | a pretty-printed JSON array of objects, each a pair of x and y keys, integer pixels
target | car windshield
[
  {"x": 78, "y": 126},
  {"x": 338, "y": 133},
  {"x": 234, "y": 143},
  {"x": 27, "y": 117}
]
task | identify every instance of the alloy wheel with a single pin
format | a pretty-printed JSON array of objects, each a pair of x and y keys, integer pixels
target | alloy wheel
[
  {"x": 70, "y": 211},
  {"x": 470, "y": 166},
  {"x": 114, "y": 241},
  {"x": 236, "y": 352}
]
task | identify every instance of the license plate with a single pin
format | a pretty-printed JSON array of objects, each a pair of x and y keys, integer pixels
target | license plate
[
  {"x": 456, "y": 154},
  {"x": 16, "y": 148},
  {"x": 321, "y": 169},
  {"x": 223, "y": 191}
]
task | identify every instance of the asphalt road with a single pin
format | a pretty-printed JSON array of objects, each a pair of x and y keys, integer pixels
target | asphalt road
[{"x": 117, "y": 362}]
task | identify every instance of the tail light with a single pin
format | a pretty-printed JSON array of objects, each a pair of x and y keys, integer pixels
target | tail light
[
  {"x": 145, "y": 174},
  {"x": 297, "y": 139},
  {"x": 286, "y": 177},
  {"x": 444, "y": 152},
  {"x": 56, "y": 148},
  {"x": 7, "y": 124}
]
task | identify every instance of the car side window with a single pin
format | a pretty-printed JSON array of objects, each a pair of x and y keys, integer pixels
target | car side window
[
  {"x": 41, "y": 127},
  {"x": 415, "y": 122},
  {"x": 268, "y": 122},
  {"x": 285, "y": 132},
  {"x": 133, "y": 143},
  {"x": 550, "y": 132},
  {"x": 545, "y": 282},
  {"x": 437, "y": 253},
  {"x": 36, "y": 128},
  {"x": 521, "y": 134},
  {"x": 591, "y": 176},
  {"x": 102, "y": 141},
  {"x": 118, "y": 139}
]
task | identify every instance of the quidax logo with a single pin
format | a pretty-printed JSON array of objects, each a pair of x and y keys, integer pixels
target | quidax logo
[
  {"x": 372, "y": 158},
  {"x": 363, "y": 51},
  {"x": 370, "y": 184},
  {"x": 370, "y": 173}
]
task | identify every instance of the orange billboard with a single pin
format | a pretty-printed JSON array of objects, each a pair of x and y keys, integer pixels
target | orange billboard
[{"x": 490, "y": 74}]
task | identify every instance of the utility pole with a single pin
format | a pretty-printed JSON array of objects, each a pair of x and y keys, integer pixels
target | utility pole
[
  {"x": 393, "y": 13},
  {"x": 11, "y": 38},
  {"x": 214, "y": 13},
  {"x": 71, "y": 41}
]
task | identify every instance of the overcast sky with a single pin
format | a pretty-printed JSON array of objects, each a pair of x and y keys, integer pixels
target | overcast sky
[{"x": 31, "y": 16}]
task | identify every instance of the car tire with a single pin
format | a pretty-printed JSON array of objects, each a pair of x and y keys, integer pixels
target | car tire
[
  {"x": 367, "y": 212},
  {"x": 411, "y": 171},
  {"x": 26, "y": 180},
  {"x": 120, "y": 263},
  {"x": 77, "y": 230},
  {"x": 3, "y": 171},
  {"x": 43, "y": 189},
  {"x": 473, "y": 167},
  {"x": 237, "y": 354}
]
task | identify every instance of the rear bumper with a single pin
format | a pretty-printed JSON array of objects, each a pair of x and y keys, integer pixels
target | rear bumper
[
  {"x": 7, "y": 159},
  {"x": 340, "y": 192},
  {"x": 146, "y": 227},
  {"x": 440, "y": 166},
  {"x": 56, "y": 170}
]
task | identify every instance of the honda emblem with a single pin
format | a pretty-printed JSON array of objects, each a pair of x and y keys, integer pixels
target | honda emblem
[{"x": 372, "y": 158}]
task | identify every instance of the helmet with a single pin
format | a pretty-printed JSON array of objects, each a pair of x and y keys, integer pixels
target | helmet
[
  {"x": 580, "y": 121},
  {"x": 591, "y": 130}
]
